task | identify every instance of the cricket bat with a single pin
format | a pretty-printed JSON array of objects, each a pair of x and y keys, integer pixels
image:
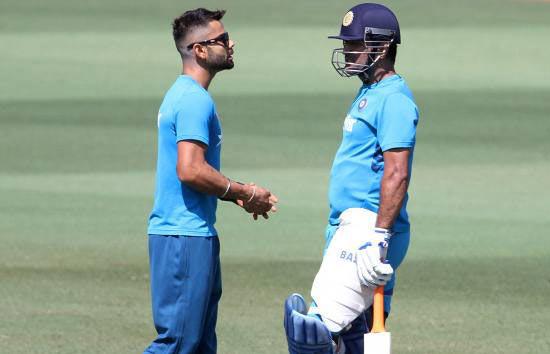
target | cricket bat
[{"x": 378, "y": 341}]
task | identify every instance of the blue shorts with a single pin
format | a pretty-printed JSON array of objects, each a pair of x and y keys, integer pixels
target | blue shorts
[
  {"x": 185, "y": 290},
  {"x": 397, "y": 249}
]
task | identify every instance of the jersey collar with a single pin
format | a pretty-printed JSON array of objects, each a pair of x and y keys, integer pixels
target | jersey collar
[{"x": 385, "y": 82}]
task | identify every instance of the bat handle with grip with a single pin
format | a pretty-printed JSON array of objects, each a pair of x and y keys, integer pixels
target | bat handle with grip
[{"x": 378, "y": 311}]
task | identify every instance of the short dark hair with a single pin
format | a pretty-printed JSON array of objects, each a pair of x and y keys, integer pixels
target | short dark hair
[{"x": 189, "y": 20}]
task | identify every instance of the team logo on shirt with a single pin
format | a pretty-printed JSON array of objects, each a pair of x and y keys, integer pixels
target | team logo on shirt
[
  {"x": 349, "y": 123},
  {"x": 362, "y": 104}
]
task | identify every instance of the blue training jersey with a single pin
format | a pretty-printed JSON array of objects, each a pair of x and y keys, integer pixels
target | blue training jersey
[
  {"x": 383, "y": 116},
  {"x": 187, "y": 113}
]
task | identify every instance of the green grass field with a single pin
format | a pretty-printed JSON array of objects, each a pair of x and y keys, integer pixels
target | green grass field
[{"x": 80, "y": 85}]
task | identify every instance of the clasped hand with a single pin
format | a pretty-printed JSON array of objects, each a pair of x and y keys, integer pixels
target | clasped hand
[
  {"x": 372, "y": 269},
  {"x": 261, "y": 202}
]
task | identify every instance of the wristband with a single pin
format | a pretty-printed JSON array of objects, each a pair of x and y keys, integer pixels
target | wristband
[
  {"x": 253, "y": 194},
  {"x": 227, "y": 189}
]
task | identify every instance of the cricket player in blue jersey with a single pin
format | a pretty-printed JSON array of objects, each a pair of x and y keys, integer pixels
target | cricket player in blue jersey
[
  {"x": 368, "y": 232},
  {"x": 183, "y": 242}
]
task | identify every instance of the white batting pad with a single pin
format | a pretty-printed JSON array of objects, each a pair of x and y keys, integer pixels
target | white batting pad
[{"x": 337, "y": 290}]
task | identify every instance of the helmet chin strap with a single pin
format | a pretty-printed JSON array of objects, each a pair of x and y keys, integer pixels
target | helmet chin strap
[{"x": 366, "y": 74}]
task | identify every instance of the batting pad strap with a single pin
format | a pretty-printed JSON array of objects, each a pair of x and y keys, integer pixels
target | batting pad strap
[
  {"x": 384, "y": 232},
  {"x": 359, "y": 217}
]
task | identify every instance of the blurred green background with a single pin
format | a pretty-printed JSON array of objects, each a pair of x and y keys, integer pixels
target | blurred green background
[{"x": 80, "y": 85}]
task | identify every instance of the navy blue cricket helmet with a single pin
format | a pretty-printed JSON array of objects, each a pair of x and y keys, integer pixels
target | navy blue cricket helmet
[
  {"x": 371, "y": 19},
  {"x": 375, "y": 25}
]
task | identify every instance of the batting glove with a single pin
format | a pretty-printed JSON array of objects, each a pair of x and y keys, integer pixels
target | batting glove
[{"x": 372, "y": 269}]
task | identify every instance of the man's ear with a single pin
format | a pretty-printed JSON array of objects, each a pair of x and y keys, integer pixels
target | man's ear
[{"x": 200, "y": 51}]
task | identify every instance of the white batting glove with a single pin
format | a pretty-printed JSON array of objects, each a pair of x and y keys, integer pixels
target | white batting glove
[{"x": 371, "y": 268}]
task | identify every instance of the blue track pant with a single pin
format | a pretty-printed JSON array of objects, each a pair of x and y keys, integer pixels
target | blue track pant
[{"x": 185, "y": 291}]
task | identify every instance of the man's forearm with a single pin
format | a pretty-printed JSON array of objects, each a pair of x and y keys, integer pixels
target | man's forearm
[
  {"x": 393, "y": 189},
  {"x": 206, "y": 179}
]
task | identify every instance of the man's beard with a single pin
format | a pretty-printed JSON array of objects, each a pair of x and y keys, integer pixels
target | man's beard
[{"x": 219, "y": 62}]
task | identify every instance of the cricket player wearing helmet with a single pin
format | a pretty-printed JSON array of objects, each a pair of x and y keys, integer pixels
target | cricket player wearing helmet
[
  {"x": 183, "y": 243},
  {"x": 368, "y": 232}
]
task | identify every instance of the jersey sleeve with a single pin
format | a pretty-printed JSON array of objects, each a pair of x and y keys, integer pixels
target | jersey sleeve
[
  {"x": 397, "y": 123},
  {"x": 193, "y": 118}
]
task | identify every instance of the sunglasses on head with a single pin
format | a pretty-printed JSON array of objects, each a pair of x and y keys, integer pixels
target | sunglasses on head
[{"x": 222, "y": 39}]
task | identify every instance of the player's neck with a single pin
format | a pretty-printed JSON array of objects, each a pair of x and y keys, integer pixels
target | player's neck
[
  {"x": 379, "y": 75},
  {"x": 202, "y": 76}
]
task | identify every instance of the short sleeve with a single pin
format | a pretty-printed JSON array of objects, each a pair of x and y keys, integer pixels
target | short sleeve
[
  {"x": 193, "y": 118},
  {"x": 397, "y": 124}
]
